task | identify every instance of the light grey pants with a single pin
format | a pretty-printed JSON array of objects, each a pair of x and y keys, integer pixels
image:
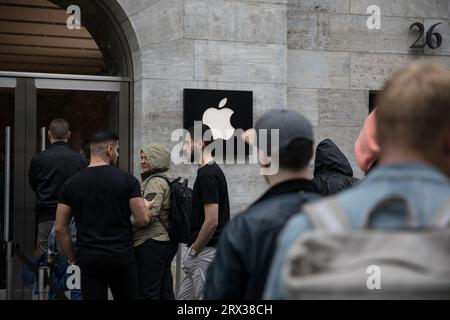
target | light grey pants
[
  {"x": 195, "y": 274},
  {"x": 44, "y": 229}
]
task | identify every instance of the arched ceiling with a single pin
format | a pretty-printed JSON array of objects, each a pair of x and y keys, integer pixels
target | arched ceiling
[{"x": 34, "y": 37}]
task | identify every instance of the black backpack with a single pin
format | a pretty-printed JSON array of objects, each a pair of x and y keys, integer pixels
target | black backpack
[{"x": 180, "y": 210}]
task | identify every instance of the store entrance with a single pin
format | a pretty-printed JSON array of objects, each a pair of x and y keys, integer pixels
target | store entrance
[{"x": 27, "y": 106}]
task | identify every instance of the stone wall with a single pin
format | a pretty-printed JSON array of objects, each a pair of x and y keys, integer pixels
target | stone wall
[
  {"x": 213, "y": 44},
  {"x": 334, "y": 60},
  {"x": 315, "y": 56}
]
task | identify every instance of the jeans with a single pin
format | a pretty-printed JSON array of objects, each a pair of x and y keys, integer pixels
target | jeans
[
  {"x": 99, "y": 273},
  {"x": 195, "y": 274},
  {"x": 154, "y": 261},
  {"x": 44, "y": 229}
]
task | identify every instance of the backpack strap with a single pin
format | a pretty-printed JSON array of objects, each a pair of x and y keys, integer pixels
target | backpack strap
[
  {"x": 328, "y": 215},
  {"x": 441, "y": 219},
  {"x": 158, "y": 176},
  {"x": 162, "y": 177}
]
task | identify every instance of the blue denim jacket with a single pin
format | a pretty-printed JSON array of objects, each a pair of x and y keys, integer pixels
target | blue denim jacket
[{"x": 424, "y": 188}]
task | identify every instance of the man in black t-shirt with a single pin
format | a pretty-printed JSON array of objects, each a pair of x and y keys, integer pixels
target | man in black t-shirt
[
  {"x": 210, "y": 212},
  {"x": 102, "y": 198}
]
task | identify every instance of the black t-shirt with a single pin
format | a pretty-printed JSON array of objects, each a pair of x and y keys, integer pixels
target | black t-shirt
[
  {"x": 209, "y": 187},
  {"x": 99, "y": 198}
]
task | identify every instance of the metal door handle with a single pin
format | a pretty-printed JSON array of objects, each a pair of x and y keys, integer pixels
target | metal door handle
[
  {"x": 9, "y": 257},
  {"x": 43, "y": 138}
]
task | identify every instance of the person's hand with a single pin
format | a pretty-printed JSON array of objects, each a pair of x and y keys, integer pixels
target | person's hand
[
  {"x": 249, "y": 136},
  {"x": 149, "y": 204},
  {"x": 51, "y": 259},
  {"x": 189, "y": 260}
]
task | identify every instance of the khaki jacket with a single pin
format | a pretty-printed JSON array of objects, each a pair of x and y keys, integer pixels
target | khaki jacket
[{"x": 159, "y": 159}]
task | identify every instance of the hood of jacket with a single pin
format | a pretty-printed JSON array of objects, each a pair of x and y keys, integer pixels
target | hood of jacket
[
  {"x": 329, "y": 158},
  {"x": 158, "y": 157}
]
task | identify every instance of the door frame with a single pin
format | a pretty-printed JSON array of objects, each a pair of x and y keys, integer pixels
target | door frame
[{"x": 25, "y": 131}]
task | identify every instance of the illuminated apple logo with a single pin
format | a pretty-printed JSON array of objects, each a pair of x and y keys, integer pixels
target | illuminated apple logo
[{"x": 218, "y": 120}]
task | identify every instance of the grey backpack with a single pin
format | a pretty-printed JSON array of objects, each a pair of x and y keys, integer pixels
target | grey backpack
[{"x": 334, "y": 261}]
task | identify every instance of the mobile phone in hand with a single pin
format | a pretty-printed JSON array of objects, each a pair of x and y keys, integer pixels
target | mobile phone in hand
[{"x": 150, "y": 196}]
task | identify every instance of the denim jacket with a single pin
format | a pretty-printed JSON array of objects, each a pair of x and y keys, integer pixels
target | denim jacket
[{"x": 423, "y": 187}]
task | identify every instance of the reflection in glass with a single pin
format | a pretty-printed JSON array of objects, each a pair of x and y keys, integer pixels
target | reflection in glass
[{"x": 86, "y": 111}]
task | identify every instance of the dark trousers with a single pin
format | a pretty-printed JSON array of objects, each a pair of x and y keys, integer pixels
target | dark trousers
[
  {"x": 154, "y": 260},
  {"x": 97, "y": 274}
]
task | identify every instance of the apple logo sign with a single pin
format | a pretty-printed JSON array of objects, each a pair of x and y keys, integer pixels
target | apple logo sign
[
  {"x": 224, "y": 111},
  {"x": 219, "y": 121}
]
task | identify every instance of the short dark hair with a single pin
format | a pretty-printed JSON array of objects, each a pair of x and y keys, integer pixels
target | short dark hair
[
  {"x": 59, "y": 129},
  {"x": 296, "y": 155},
  {"x": 101, "y": 138},
  {"x": 204, "y": 129}
]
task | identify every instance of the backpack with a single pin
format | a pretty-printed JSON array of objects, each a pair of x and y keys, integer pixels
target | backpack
[
  {"x": 179, "y": 229},
  {"x": 335, "y": 262}
]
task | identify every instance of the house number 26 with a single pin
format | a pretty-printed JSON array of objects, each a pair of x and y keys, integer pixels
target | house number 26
[{"x": 420, "y": 42}]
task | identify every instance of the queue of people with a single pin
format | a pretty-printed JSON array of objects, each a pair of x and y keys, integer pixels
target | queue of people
[
  {"x": 304, "y": 232},
  {"x": 122, "y": 240}
]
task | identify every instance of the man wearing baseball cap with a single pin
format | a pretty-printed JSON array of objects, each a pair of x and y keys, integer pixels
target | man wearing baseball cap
[{"x": 246, "y": 246}]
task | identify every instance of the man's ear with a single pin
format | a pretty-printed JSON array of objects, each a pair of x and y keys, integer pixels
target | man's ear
[
  {"x": 264, "y": 159},
  {"x": 109, "y": 149},
  {"x": 249, "y": 136},
  {"x": 200, "y": 144},
  {"x": 69, "y": 135},
  {"x": 49, "y": 135}
]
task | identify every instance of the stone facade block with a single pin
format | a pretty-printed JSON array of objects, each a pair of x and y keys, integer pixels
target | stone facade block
[
  {"x": 318, "y": 69},
  {"x": 302, "y": 30},
  {"x": 345, "y": 108},
  {"x": 242, "y": 62},
  {"x": 235, "y": 21},
  {"x": 306, "y": 102},
  {"x": 169, "y": 60},
  {"x": 337, "y": 6},
  {"x": 162, "y": 21},
  {"x": 405, "y": 8}
]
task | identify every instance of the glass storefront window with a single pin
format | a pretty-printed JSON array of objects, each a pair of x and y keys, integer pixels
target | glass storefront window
[{"x": 87, "y": 112}]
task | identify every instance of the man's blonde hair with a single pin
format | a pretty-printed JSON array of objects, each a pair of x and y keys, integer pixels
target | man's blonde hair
[{"x": 414, "y": 107}]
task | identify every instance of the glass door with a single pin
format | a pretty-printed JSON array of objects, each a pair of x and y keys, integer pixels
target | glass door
[
  {"x": 86, "y": 112},
  {"x": 28, "y": 103},
  {"x": 88, "y": 107},
  {"x": 7, "y": 102}
]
